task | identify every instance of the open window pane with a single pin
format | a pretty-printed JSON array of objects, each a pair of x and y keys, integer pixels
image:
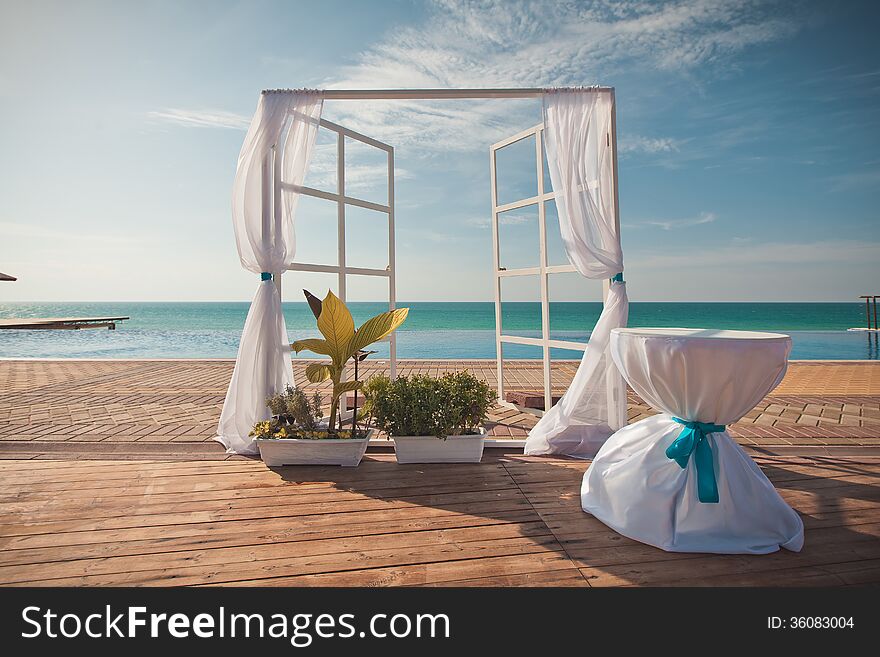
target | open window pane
[
  {"x": 321, "y": 173},
  {"x": 565, "y": 363},
  {"x": 516, "y": 175},
  {"x": 521, "y": 306},
  {"x": 555, "y": 248},
  {"x": 548, "y": 185},
  {"x": 367, "y": 297},
  {"x": 575, "y": 306},
  {"x": 367, "y": 289},
  {"x": 518, "y": 238},
  {"x": 524, "y": 381},
  {"x": 366, "y": 172},
  {"x": 366, "y": 238},
  {"x": 297, "y": 315},
  {"x": 316, "y": 227}
]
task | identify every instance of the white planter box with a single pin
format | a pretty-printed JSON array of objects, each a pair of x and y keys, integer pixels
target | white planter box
[
  {"x": 303, "y": 451},
  {"x": 430, "y": 449}
]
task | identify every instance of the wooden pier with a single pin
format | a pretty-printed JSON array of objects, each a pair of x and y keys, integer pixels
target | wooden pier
[
  {"x": 65, "y": 323},
  {"x": 869, "y": 298}
]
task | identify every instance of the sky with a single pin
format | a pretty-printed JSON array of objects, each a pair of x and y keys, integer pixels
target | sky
[{"x": 749, "y": 138}]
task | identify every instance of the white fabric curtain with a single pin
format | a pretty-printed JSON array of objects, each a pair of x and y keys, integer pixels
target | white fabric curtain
[
  {"x": 280, "y": 140},
  {"x": 578, "y": 140}
]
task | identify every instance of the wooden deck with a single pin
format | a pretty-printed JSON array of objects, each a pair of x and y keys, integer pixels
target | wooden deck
[
  {"x": 109, "y": 476},
  {"x": 510, "y": 521}
]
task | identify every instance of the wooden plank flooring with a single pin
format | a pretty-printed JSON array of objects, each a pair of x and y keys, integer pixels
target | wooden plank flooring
[{"x": 510, "y": 521}]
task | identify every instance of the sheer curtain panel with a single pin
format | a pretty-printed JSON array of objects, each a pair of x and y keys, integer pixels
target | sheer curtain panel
[
  {"x": 271, "y": 165},
  {"x": 578, "y": 126}
]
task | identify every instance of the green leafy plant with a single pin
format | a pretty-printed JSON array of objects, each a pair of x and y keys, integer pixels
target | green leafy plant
[
  {"x": 450, "y": 405},
  {"x": 342, "y": 342},
  {"x": 294, "y": 414},
  {"x": 295, "y": 407}
]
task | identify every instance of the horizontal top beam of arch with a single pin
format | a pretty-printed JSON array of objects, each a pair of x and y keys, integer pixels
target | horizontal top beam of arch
[{"x": 434, "y": 94}]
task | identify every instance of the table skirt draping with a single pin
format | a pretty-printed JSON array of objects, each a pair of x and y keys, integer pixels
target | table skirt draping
[
  {"x": 698, "y": 376},
  {"x": 634, "y": 488}
]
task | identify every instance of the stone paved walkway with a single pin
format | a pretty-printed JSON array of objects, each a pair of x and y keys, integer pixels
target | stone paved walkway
[{"x": 818, "y": 404}]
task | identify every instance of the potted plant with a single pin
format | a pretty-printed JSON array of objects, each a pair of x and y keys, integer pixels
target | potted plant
[
  {"x": 297, "y": 433},
  {"x": 431, "y": 420}
]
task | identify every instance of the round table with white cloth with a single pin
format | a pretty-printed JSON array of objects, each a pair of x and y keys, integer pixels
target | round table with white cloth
[{"x": 677, "y": 480}]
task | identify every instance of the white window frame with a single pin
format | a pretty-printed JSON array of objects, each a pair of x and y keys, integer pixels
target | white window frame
[
  {"x": 543, "y": 271},
  {"x": 342, "y": 200}
]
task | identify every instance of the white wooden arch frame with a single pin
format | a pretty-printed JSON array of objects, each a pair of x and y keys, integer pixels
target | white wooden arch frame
[
  {"x": 543, "y": 270},
  {"x": 343, "y": 200}
]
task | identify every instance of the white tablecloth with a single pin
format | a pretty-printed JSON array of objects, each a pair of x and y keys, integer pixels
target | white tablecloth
[{"x": 702, "y": 376}]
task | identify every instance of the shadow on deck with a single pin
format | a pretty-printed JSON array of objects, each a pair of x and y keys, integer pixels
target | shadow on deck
[{"x": 510, "y": 521}]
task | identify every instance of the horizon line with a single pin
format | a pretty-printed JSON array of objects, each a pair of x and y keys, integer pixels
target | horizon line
[{"x": 857, "y": 300}]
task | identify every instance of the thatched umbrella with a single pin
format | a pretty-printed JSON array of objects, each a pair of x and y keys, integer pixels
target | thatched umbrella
[{"x": 7, "y": 277}]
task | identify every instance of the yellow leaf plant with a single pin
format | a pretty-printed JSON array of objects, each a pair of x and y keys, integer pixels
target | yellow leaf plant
[{"x": 341, "y": 342}]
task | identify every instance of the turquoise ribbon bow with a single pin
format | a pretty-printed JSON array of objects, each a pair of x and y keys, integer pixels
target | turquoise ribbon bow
[
  {"x": 265, "y": 276},
  {"x": 692, "y": 440},
  {"x": 617, "y": 278}
]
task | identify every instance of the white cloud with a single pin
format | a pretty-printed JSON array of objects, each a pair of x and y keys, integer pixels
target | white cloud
[
  {"x": 856, "y": 180},
  {"x": 208, "y": 118},
  {"x": 511, "y": 43},
  {"x": 861, "y": 76},
  {"x": 649, "y": 145},
  {"x": 506, "y": 219},
  {"x": 322, "y": 175},
  {"x": 672, "y": 224}
]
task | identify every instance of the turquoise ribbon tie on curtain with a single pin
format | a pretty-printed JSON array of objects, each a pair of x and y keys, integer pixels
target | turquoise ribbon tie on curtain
[
  {"x": 265, "y": 276},
  {"x": 617, "y": 278},
  {"x": 692, "y": 440}
]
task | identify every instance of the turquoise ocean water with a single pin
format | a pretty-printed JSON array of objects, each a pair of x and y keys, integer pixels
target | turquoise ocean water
[{"x": 433, "y": 330}]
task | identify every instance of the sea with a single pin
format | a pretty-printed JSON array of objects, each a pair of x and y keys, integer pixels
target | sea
[{"x": 433, "y": 330}]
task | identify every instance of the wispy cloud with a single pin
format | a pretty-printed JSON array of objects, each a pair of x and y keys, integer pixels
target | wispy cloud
[
  {"x": 209, "y": 118},
  {"x": 673, "y": 224},
  {"x": 866, "y": 74},
  {"x": 650, "y": 145},
  {"x": 466, "y": 43},
  {"x": 540, "y": 43},
  {"x": 359, "y": 177},
  {"x": 856, "y": 180},
  {"x": 506, "y": 219}
]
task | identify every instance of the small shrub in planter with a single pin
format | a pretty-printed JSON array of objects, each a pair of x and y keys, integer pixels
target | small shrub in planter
[
  {"x": 416, "y": 411},
  {"x": 297, "y": 434},
  {"x": 295, "y": 408},
  {"x": 298, "y": 415}
]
